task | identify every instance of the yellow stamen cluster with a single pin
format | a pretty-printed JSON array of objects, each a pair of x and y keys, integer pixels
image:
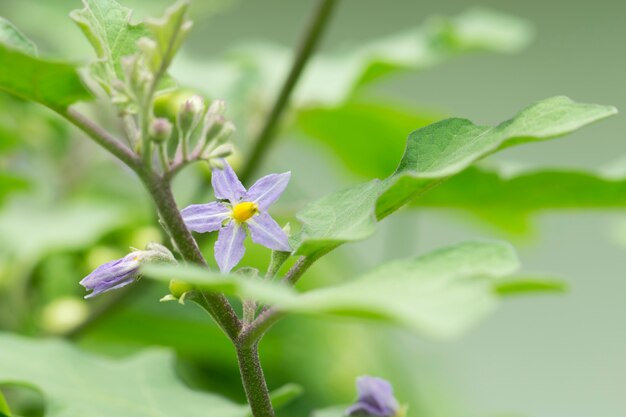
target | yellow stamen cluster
[{"x": 244, "y": 211}]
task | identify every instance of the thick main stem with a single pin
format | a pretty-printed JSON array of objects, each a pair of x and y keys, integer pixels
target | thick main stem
[
  {"x": 161, "y": 193},
  {"x": 254, "y": 381},
  {"x": 307, "y": 46}
]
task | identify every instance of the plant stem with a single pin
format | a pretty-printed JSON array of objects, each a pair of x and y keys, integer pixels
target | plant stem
[
  {"x": 307, "y": 45},
  {"x": 102, "y": 137},
  {"x": 254, "y": 381},
  {"x": 161, "y": 193}
]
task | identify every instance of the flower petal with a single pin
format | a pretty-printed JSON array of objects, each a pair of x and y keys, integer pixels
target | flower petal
[
  {"x": 268, "y": 189},
  {"x": 265, "y": 231},
  {"x": 204, "y": 218},
  {"x": 229, "y": 247},
  {"x": 226, "y": 185}
]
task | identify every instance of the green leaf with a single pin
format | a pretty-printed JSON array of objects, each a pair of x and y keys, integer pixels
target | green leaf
[
  {"x": 338, "y": 411},
  {"x": 169, "y": 32},
  {"x": 433, "y": 154},
  {"x": 53, "y": 84},
  {"x": 33, "y": 229},
  {"x": 369, "y": 138},
  {"x": 532, "y": 284},
  {"x": 10, "y": 183},
  {"x": 332, "y": 78},
  {"x": 285, "y": 394},
  {"x": 75, "y": 383},
  {"x": 4, "y": 407},
  {"x": 439, "y": 294},
  {"x": 106, "y": 24},
  {"x": 507, "y": 200},
  {"x": 12, "y": 37}
]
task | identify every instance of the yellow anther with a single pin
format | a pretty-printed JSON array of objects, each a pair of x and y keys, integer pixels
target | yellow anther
[{"x": 243, "y": 211}]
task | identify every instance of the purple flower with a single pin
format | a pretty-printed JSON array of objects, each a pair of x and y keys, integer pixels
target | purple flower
[
  {"x": 375, "y": 399},
  {"x": 237, "y": 211},
  {"x": 112, "y": 275},
  {"x": 121, "y": 272}
]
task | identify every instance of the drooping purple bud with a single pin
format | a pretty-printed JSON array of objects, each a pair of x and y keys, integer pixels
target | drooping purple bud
[
  {"x": 122, "y": 272},
  {"x": 375, "y": 399}
]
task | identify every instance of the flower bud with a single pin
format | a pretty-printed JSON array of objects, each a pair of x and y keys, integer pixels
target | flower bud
[
  {"x": 161, "y": 130},
  {"x": 222, "y": 151},
  {"x": 190, "y": 113},
  {"x": 122, "y": 272}
]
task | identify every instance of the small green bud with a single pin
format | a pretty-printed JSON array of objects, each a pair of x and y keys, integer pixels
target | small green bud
[
  {"x": 222, "y": 151},
  {"x": 190, "y": 113},
  {"x": 179, "y": 288},
  {"x": 161, "y": 130}
]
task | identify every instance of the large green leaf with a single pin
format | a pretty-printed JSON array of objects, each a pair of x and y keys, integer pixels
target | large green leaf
[
  {"x": 107, "y": 26},
  {"x": 53, "y": 84},
  {"x": 4, "y": 407},
  {"x": 507, "y": 200},
  {"x": 75, "y": 383},
  {"x": 433, "y": 154},
  {"x": 439, "y": 294},
  {"x": 368, "y": 137}
]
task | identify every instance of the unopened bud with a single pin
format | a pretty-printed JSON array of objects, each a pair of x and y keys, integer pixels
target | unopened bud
[
  {"x": 222, "y": 151},
  {"x": 190, "y": 113},
  {"x": 161, "y": 130}
]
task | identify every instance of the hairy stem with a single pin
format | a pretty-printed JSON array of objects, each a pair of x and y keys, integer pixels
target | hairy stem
[
  {"x": 161, "y": 193},
  {"x": 254, "y": 381},
  {"x": 102, "y": 137},
  {"x": 307, "y": 46}
]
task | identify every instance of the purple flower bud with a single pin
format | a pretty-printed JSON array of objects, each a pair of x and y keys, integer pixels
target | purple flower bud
[
  {"x": 190, "y": 113},
  {"x": 112, "y": 275},
  {"x": 375, "y": 399},
  {"x": 161, "y": 130},
  {"x": 122, "y": 272}
]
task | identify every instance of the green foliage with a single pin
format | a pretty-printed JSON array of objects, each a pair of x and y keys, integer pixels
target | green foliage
[
  {"x": 10, "y": 183},
  {"x": 169, "y": 32},
  {"x": 367, "y": 137},
  {"x": 439, "y": 294},
  {"x": 531, "y": 284},
  {"x": 75, "y": 383},
  {"x": 53, "y": 84},
  {"x": 4, "y": 407},
  {"x": 507, "y": 200},
  {"x": 433, "y": 154},
  {"x": 107, "y": 26},
  {"x": 12, "y": 37},
  {"x": 29, "y": 231}
]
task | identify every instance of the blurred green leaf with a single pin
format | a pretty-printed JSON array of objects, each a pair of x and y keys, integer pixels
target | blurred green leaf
[
  {"x": 30, "y": 229},
  {"x": 433, "y": 154},
  {"x": 439, "y": 294},
  {"x": 285, "y": 394},
  {"x": 10, "y": 183},
  {"x": 369, "y": 138},
  {"x": 53, "y": 84},
  {"x": 76, "y": 383},
  {"x": 338, "y": 411},
  {"x": 106, "y": 24},
  {"x": 332, "y": 78},
  {"x": 169, "y": 32},
  {"x": 519, "y": 285},
  {"x": 507, "y": 200},
  {"x": 4, "y": 407},
  {"x": 13, "y": 38}
]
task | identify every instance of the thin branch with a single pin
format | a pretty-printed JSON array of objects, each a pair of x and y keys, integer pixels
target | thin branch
[
  {"x": 102, "y": 137},
  {"x": 307, "y": 46}
]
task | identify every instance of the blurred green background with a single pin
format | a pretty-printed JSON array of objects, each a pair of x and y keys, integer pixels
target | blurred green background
[{"x": 550, "y": 356}]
